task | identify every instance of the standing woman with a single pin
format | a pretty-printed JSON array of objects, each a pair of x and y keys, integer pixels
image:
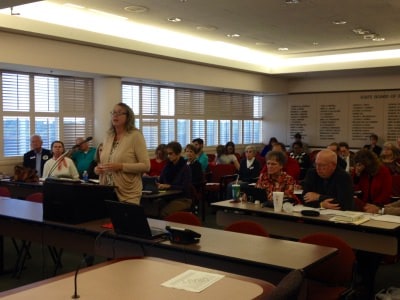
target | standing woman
[
  {"x": 124, "y": 157},
  {"x": 59, "y": 166}
]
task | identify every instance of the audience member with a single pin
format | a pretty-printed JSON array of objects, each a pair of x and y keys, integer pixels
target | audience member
[
  {"x": 59, "y": 165},
  {"x": 249, "y": 170},
  {"x": 268, "y": 147},
  {"x": 230, "y": 148},
  {"x": 291, "y": 166},
  {"x": 94, "y": 163},
  {"x": 83, "y": 156},
  {"x": 176, "y": 175},
  {"x": 159, "y": 161},
  {"x": 373, "y": 179},
  {"x": 327, "y": 185},
  {"x": 124, "y": 157},
  {"x": 37, "y": 156},
  {"x": 340, "y": 161},
  {"x": 274, "y": 179},
  {"x": 201, "y": 156},
  {"x": 388, "y": 209},
  {"x": 373, "y": 145},
  {"x": 301, "y": 157},
  {"x": 390, "y": 158},
  {"x": 347, "y": 156},
  {"x": 221, "y": 158},
  {"x": 195, "y": 166},
  {"x": 298, "y": 138}
]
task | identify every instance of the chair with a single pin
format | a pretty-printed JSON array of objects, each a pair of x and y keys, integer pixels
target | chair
[
  {"x": 395, "y": 187},
  {"x": 335, "y": 277},
  {"x": 218, "y": 178},
  {"x": 35, "y": 197},
  {"x": 290, "y": 287},
  {"x": 313, "y": 155},
  {"x": 4, "y": 192},
  {"x": 248, "y": 227},
  {"x": 184, "y": 217}
]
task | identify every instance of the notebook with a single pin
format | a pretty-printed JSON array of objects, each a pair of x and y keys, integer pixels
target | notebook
[
  {"x": 75, "y": 203},
  {"x": 149, "y": 185},
  {"x": 130, "y": 219}
]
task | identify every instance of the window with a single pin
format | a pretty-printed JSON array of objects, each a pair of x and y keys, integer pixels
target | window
[
  {"x": 57, "y": 108},
  {"x": 166, "y": 114}
]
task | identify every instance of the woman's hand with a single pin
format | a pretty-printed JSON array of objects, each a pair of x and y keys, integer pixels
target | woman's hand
[
  {"x": 164, "y": 186},
  {"x": 108, "y": 167}
]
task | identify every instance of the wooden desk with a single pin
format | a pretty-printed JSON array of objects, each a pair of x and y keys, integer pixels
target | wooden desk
[
  {"x": 374, "y": 236},
  {"x": 265, "y": 258},
  {"x": 139, "y": 279}
]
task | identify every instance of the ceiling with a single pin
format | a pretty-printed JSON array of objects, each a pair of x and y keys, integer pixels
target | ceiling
[{"x": 306, "y": 29}]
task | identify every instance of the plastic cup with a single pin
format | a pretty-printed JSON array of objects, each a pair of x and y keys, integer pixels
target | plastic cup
[
  {"x": 277, "y": 198},
  {"x": 235, "y": 192}
]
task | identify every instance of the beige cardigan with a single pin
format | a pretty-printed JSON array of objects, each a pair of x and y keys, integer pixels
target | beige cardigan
[{"x": 131, "y": 151}]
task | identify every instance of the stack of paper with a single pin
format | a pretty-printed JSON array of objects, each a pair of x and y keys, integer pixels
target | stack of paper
[{"x": 347, "y": 216}]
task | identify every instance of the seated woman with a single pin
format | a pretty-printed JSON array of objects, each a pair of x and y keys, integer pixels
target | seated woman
[
  {"x": 159, "y": 161},
  {"x": 195, "y": 166},
  {"x": 268, "y": 147},
  {"x": 390, "y": 158},
  {"x": 373, "y": 180},
  {"x": 223, "y": 158},
  {"x": 273, "y": 179},
  {"x": 59, "y": 166}
]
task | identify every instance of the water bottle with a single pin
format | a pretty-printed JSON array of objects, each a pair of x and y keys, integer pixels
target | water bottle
[{"x": 85, "y": 176}]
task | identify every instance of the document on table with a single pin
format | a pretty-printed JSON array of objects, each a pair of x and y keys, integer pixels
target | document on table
[
  {"x": 387, "y": 218},
  {"x": 193, "y": 281}
]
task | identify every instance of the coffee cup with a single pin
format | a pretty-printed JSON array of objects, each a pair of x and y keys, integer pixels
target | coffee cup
[
  {"x": 235, "y": 192},
  {"x": 277, "y": 198}
]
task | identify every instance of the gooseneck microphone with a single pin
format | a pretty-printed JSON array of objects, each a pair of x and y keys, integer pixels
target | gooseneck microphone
[
  {"x": 81, "y": 143},
  {"x": 80, "y": 265}
]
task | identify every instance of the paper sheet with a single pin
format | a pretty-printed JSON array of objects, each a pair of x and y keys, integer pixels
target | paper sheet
[
  {"x": 387, "y": 218},
  {"x": 193, "y": 281}
]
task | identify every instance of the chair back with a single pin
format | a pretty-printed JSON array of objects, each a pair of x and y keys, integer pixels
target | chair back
[
  {"x": 248, "y": 227},
  {"x": 289, "y": 287},
  {"x": 184, "y": 217},
  {"x": 218, "y": 171},
  {"x": 4, "y": 191},
  {"x": 337, "y": 270},
  {"x": 35, "y": 197}
]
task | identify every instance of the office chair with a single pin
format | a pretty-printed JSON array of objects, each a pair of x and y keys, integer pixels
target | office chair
[
  {"x": 183, "y": 217},
  {"x": 248, "y": 227},
  {"x": 291, "y": 287},
  {"x": 4, "y": 192},
  {"x": 335, "y": 277}
]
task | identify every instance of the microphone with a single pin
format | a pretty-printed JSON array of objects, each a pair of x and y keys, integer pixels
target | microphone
[
  {"x": 81, "y": 143},
  {"x": 80, "y": 265},
  {"x": 58, "y": 161}
]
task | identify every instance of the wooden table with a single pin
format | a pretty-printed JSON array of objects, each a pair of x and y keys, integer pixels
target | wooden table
[
  {"x": 265, "y": 258},
  {"x": 374, "y": 236},
  {"x": 139, "y": 279}
]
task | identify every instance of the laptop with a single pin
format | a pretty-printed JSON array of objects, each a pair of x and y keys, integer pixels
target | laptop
[
  {"x": 74, "y": 203},
  {"x": 150, "y": 185},
  {"x": 129, "y": 219},
  {"x": 259, "y": 194}
]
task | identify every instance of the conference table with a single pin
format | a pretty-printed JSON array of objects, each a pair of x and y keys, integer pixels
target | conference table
[
  {"x": 373, "y": 235},
  {"x": 145, "y": 278},
  {"x": 259, "y": 257}
]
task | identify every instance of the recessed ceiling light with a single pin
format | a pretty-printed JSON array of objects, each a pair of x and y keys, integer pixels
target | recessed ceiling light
[
  {"x": 292, "y": 1},
  {"x": 283, "y": 49},
  {"x": 206, "y": 28},
  {"x": 174, "y": 19},
  {"x": 315, "y": 43},
  {"x": 233, "y": 35},
  {"x": 378, "y": 39},
  {"x": 361, "y": 31},
  {"x": 339, "y": 22},
  {"x": 136, "y": 9}
]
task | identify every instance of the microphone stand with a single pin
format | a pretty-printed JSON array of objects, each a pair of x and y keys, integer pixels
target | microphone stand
[
  {"x": 75, "y": 295},
  {"x": 58, "y": 161}
]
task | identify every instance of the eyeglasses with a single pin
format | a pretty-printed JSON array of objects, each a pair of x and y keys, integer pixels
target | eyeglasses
[{"x": 117, "y": 113}]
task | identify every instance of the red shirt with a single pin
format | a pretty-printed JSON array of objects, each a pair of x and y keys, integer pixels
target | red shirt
[{"x": 156, "y": 167}]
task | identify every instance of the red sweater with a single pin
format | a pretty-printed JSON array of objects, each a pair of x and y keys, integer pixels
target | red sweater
[
  {"x": 291, "y": 167},
  {"x": 379, "y": 187}
]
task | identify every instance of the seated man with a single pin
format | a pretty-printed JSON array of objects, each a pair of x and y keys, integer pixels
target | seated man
[
  {"x": 36, "y": 158},
  {"x": 176, "y": 175},
  {"x": 328, "y": 185}
]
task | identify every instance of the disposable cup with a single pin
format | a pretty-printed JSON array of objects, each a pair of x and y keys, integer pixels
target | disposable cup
[{"x": 277, "y": 198}]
